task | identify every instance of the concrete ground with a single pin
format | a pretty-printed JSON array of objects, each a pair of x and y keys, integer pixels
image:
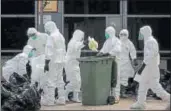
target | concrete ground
[{"x": 123, "y": 105}]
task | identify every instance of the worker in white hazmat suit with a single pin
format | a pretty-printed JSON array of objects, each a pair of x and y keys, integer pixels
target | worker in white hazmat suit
[
  {"x": 55, "y": 52},
  {"x": 72, "y": 64},
  {"x": 38, "y": 41},
  {"x": 127, "y": 56},
  {"x": 112, "y": 46},
  {"x": 18, "y": 63},
  {"x": 148, "y": 73}
]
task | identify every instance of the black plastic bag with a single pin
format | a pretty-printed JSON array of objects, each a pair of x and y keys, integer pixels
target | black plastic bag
[
  {"x": 18, "y": 95},
  {"x": 18, "y": 80}
]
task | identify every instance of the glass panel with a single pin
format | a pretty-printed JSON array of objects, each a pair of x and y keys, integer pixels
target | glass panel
[
  {"x": 74, "y": 6},
  {"x": 149, "y": 6},
  {"x": 91, "y": 6},
  {"x": 161, "y": 31},
  {"x": 17, "y": 6},
  {"x": 92, "y": 26},
  {"x": 116, "y": 23},
  {"x": 103, "y": 6},
  {"x": 14, "y": 32}
]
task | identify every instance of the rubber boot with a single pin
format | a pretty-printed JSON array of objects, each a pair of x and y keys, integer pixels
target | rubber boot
[
  {"x": 139, "y": 106},
  {"x": 60, "y": 101},
  {"x": 66, "y": 96},
  {"x": 117, "y": 99},
  {"x": 123, "y": 92},
  {"x": 61, "y": 97},
  {"x": 76, "y": 97}
]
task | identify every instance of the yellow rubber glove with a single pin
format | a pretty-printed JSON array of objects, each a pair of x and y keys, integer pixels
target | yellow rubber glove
[{"x": 93, "y": 45}]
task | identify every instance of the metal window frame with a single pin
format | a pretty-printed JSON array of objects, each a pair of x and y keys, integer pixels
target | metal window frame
[
  {"x": 149, "y": 16},
  {"x": 92, "y": 15},
  {"x": 36, "y": 14},
  {"x": 21, "y": 16},
  {"x": 126, "y": 16},
  {"x": 62, "y": 2},
  {"x": 123, "y": 14},
  {"x": 18, "y": 16},
  {"x": 18, "y": 50}
]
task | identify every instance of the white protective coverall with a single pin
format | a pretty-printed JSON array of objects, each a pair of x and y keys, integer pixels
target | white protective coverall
[
  {"x": 38, "y": 61},
  {"x": 150, "y": 75},
  {"x": 72, "y": 64},
  {"x": 17, "y": 64},
  {"x": 127, "y": 70},
  {"x": 113, "y": 46},
  {"x": 55, "y": 51}
]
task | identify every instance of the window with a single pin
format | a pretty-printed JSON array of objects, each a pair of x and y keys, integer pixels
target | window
[
  {"x": 161, "y": 31},
  {"x": 17, "y": 6},
  {"x": 92, "y": 26},
  {"x": 149, "y": 7},
  {"x": 74, "y": 6},
  {"x": 103, "y": 6},
  {"x": 91, "y": 6},
  {"x": 14, "y": 32}
]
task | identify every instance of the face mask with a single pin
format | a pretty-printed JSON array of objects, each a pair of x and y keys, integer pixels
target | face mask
[
  {"x": 34, "y": 37},
  {"x": 106, "y": 35},
  {"x": 31, "y": 54},
  {"x": 140, "y": 37}
]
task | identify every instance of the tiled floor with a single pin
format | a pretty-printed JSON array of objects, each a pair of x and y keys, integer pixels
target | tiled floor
[{"x": 123, "y": 105}]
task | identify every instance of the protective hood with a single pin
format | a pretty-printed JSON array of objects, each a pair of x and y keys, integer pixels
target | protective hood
[
  {"x": 31, "y": 32},
  {"x": 27, "y": 49},
  {"x": 124, "y": 34},
  {"x": 111, "y": 31},
  {"x": 78, "y": 35},
  {"x": 50, "y": 27},
  {"x": 146, "y": 31}
]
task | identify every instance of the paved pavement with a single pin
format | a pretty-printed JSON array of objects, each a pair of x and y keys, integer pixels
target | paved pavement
[{"x": 123, "y": 105}]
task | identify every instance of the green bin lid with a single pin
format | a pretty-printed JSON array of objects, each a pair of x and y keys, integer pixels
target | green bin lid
[{"x": 94, "y": 58}]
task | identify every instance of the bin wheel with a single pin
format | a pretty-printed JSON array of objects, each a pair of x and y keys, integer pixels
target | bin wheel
[{"x": 111, "y": 100}]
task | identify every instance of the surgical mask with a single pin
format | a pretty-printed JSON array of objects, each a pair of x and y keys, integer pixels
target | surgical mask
[
  {"x": 34, "y": 37},
  {"x": 107, "y": 36},
  {"x": 141, "y": 36},
  {"x": 31, "y": 54}
]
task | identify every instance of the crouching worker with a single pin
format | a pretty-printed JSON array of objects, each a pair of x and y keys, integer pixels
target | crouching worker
[{"x": 19, "y": 64}]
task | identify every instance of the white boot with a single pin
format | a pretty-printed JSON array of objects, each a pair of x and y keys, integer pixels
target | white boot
[
  {"x": 60, "y": 101},
  {"x": 66, "y": 96},
  {"x": 61, "y": 95},
  {"x": 139, "y": 106},
  {"x": 76, "y": 97}
]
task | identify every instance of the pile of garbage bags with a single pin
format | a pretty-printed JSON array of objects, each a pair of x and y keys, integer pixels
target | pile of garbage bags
[
  {"x": 165, "y": 80},
  {"x": 19, "y": 95}
]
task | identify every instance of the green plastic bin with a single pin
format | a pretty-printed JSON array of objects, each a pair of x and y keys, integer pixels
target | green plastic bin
[{"x": 95, "y": 79}]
